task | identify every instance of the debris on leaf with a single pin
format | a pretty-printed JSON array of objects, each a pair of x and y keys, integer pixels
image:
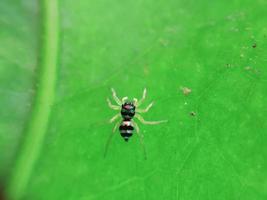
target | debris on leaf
[
  {"x": 254, "y": 45},
  {"x": 253, "y": 70},
  {"x": 186, "y": 91},
  {"x": 228, "y": 65},
  {"x": 193, "y": 114}
]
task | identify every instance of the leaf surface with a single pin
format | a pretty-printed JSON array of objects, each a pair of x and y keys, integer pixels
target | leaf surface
[
  {"x": 214, "y": 144},
  {"x": 18, "y": 59}
]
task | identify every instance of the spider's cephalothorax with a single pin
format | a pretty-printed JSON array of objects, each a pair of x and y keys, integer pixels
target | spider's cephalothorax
[{"x": 129, "y": 110}]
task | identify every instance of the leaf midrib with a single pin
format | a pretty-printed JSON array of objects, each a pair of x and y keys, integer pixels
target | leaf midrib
[{"x": 38, "y": 122}]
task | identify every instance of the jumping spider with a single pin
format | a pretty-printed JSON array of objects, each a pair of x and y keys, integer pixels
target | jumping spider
[{"x": 128, "y": 110}]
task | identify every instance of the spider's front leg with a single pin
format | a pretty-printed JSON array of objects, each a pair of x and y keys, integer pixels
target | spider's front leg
[
  {"x": 141, "y": 119},
  {"x": 142, "y": 99},
  {"x": 124, "y": 99},
  {"x": 135, "y": 101},
  {"x": 118, "y": 101},
  {"x": 146, "y": 109},
  {"x": 113, "y": 107}
]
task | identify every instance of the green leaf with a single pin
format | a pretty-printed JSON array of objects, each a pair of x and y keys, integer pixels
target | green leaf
[
  {"x": 204, "y": 65},
  {"x": 18, "y": 58}
]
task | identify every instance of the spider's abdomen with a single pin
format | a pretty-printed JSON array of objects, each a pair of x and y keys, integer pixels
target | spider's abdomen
[{"x": 126, "y": 129}]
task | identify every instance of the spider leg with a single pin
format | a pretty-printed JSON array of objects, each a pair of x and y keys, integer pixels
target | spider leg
[
  {"x": 118, "y": 101},
  {"x": 141, "y": 119},
  {"x": 135, "y": 101},
  {"x": 110, "y": 137},
  {"x": 146, "y": 109},
  {"x": 124, "y": 99},
  {"x": 114, "y": 107},
  {"x": 142, "y": 99},
  {"x": 114, "y": 118},
  {"x": 140, "y": 138}
]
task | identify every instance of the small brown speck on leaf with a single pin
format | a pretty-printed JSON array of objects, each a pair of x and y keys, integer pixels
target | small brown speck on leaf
[
  {"x": 228, "y": 65},
  {"x": 186, "y": 91},
  {"x": 254, "y": 45},
  {"x": 193, "y": 114}
]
